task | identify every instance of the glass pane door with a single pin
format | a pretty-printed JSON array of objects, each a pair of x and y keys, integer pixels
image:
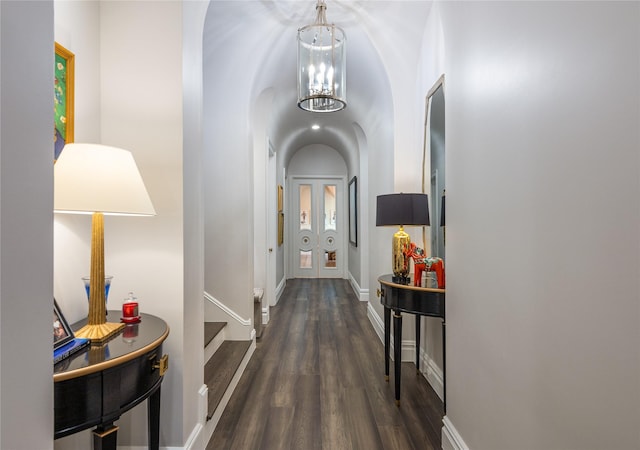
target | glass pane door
[{"x": 318, "y": 229}]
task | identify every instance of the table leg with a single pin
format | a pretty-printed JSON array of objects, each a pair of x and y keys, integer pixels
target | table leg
[
  {"x": 397, "y": 351},
  {"x": 105, "y": 437},
  {"x": 153, "y": 409},
  {"x": 418, "y": 343},
  {"x": 387, "y": 341}
]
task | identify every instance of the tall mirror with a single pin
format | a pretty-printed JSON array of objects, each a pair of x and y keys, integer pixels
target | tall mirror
[{"x": 433, "y": 173}]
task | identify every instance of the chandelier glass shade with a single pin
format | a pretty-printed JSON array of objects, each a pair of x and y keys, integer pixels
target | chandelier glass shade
[{"x": 321, "y": 65}]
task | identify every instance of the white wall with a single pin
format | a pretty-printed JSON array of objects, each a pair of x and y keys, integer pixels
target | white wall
[
  {"x": 542, "y": 223},
  {"x": 129, "y": 62},
  {"x": 228, "y": 159},
  {"x": 316, "y": 160},
  {"x": 26, "y": 202}
]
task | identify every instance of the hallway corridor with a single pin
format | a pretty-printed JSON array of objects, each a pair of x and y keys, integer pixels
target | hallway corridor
[{"x": 316, "y": 381}]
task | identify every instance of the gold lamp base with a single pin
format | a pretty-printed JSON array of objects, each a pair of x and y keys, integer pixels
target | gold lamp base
[
  {"x": 98, "y": 330},
  {"x": 400, "y": 244},
  {"x": 101, "y": 332}
]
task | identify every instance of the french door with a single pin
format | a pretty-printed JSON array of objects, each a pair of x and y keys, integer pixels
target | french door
[{"x": 317, "y": 227}]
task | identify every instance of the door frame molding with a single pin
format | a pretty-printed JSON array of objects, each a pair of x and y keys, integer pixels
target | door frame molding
[{"x": 289, "y": 259}]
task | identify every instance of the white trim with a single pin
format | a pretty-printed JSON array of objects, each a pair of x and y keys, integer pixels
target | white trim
[
  {"x": 362, "y": 294},
  {"x": 451, "y": 439},
  {"x": 280, "y": 290},
  {"x": 227, "y": 310},
  {"x": 376, "y": 322},
  {"x": 433, "y": 373}
]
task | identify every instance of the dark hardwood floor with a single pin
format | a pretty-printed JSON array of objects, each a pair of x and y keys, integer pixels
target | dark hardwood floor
[{"x": 316, "y": 381}]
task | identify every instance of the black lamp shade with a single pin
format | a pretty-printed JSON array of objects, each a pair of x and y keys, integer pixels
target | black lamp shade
[{"x": 402, "y": 209}]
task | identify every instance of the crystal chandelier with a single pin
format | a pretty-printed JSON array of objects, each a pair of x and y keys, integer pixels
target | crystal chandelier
[{"x": 321, "y": 65}]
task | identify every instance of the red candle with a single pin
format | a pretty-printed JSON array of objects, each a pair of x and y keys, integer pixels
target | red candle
[{"x": 130, "y": 310}]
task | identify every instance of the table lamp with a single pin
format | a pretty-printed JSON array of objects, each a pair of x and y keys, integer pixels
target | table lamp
[
  {"x": 98, "y": 179},
  {"x": 400, "y": 210}
]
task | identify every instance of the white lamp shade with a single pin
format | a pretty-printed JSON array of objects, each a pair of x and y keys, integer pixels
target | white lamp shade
[{"x": 92, "y": 178}]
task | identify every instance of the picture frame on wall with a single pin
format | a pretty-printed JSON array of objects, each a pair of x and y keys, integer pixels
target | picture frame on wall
[
  {"x": 353, "y": 211},
  {"x": 280, "y": 228},
  {"x": 63, "y": 98}
]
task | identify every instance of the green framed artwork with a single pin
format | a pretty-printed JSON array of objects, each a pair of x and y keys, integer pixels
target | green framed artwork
[{"x": 63, "y": 99}]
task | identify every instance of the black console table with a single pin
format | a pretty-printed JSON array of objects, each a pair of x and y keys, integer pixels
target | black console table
[
  {"x": 94, "y": 387},
  {"x": 413, "y": 300}
]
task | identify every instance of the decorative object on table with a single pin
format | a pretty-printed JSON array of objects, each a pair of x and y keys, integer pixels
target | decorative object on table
[
  {"x": 98, "y": 179},
  {"x": 435, "y": 264},
  {"x": 130, "y": 313},
  {"x": 107, "y": 287},
  {"x": 419, "y": 264},
  {"x": 63, "y": 99},
  {"x": 65, "y": 343},
  {"x": 400, "y": 210},
  {"x": 322, "y": 79},
  {"x": 429, "y": 280}
]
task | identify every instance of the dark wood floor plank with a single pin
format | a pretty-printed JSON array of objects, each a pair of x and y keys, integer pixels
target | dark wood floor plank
[
  {"x": 316, "y": 381},
  {"x": 305, "y": 432},
  {"x": 277, "y": 435}
]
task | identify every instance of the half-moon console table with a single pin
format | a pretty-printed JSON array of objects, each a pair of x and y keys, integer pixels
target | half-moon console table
[
  {"x": 413, "y": 300},
  {"x": 94, "y": 387}
]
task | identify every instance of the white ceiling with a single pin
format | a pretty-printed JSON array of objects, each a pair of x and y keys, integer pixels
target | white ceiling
[{"x": 260, "y": 37}]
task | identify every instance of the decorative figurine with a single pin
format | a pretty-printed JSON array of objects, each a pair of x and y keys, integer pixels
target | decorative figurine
[{"x": 422, "y": 263}]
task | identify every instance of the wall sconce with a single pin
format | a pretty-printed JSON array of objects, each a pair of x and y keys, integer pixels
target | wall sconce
[
  {"x": 98, "y": 180},
  {"x": 400, "y": 210}
]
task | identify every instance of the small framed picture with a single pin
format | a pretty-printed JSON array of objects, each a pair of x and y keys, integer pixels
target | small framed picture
[{"x": 62, "y": 332}]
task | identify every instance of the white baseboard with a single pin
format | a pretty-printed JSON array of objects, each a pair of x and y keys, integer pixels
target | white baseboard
[
  {"x": 451, "y": 439},
  {"x": 376, "y": 322},
  {"x": 280, "y": 290},
  {"x": 432, "y": 373},
  {"x": 362, "y": 294}
]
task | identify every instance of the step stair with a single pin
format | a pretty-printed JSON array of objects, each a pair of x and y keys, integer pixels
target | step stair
[
  {"x": 211, "y": 330},
  {"x": 220, "y": 370}
]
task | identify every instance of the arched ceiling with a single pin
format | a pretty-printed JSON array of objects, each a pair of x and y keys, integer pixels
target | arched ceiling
[{"x": 260, "y": 38}]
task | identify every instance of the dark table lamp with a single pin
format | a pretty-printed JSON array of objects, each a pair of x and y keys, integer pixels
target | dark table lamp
[
  {"x": 98, "y": 180},
  {"x": 400, "y": 210}
]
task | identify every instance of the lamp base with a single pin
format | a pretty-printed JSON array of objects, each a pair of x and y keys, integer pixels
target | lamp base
[
  {"x": 400, "y": 259},
  {"x": 101, "y": 332}
]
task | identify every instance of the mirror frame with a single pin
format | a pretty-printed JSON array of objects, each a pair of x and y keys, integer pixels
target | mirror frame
[{"x": 426, "y": 152}]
